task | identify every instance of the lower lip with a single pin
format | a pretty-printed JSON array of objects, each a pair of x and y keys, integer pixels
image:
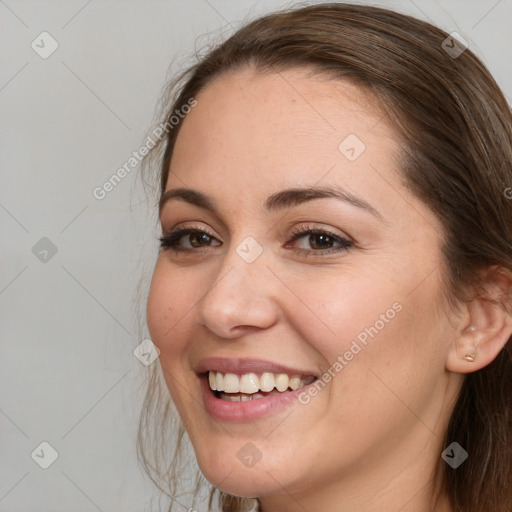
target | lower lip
[{"x": 239, "y": 412}]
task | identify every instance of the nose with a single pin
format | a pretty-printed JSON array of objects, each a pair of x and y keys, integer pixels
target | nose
[{"x": 242, "y": 298}]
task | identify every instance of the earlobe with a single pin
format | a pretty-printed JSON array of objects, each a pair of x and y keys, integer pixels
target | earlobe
[
  {"x": 470, "y": 357},
  {"x": 486, "y": 329}
]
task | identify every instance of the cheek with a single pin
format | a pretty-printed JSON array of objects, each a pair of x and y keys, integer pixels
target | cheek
[
  {"x": 168, "y": 306},
  {"x": 345, "y": 308},
  {"x": 370, "y": 326},
  {"x": 363, "y": 303},
  {"x": 169, "y": 301}
]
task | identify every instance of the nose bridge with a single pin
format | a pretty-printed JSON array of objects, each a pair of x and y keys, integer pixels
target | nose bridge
[
  {"x": 244, "y": 264},
  {"x": 240, "y": 296}
]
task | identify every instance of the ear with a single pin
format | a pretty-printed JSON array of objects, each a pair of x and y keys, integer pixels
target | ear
[{"x": 485, "y": 325}]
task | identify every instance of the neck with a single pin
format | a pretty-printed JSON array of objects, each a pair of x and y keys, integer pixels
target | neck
[
  {"x": 393, "y": 498},
  {"x": 404, "y": 484}
]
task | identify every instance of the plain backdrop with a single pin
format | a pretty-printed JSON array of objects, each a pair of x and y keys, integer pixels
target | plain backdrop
[{"x": 74, "y": 268}]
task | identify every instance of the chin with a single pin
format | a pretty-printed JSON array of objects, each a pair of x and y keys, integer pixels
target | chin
[
  {"x": 247, "y": 483},
  {"x": 228, "y": 473}
]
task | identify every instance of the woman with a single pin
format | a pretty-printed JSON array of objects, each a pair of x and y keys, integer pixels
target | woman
[{"x": 331, "y": 301}]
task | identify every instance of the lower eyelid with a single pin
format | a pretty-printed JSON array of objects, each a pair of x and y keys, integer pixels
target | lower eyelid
[
  {"x": 169, "y": 241},
  {"x": 337, "y": 238}
]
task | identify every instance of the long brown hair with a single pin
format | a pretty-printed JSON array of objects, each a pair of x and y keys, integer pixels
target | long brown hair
[{"x": 456, "y": 139}]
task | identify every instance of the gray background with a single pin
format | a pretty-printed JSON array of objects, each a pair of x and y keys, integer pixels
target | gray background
[{"x": 70, "y": 321}]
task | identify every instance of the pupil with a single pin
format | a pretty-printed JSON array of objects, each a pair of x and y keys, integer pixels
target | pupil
[
  {"x": 319, "y": 240},
  {"x": 197, "y": 239}
]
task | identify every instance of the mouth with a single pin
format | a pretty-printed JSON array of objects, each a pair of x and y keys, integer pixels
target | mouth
[
  {"x": 243, "y": 390},
  {"x": 232, "y": 387}
]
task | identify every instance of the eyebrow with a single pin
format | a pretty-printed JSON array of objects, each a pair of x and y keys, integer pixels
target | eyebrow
[{"x": 284, "y": 199}]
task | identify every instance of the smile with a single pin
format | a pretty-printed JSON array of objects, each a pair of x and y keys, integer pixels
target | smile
[{"x": 250, "y": 386}]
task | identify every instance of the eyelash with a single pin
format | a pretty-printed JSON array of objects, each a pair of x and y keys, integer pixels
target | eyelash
[
  {"x": 297, "y": 233},
  {"x": 171, "y": 240}
]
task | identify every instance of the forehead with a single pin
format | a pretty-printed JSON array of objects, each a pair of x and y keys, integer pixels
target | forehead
[
  {"x": 252, "y": 135},
  {"x": 262, "y": 103},
  {"x": 252, "y": 131}
]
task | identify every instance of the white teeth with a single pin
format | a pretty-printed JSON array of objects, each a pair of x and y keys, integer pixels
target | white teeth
[
  {"x": 211, "y": 379},
  {"x": 231, "y": 398},
  {"x": 249, "y": 383},
  {"x": 231, "y": 383},
  {"x": 267, "y": 382},
  {"x": 295, "y": 382},
  {"x": 219, "y": 381},
  {"x": 282, "y": 381},
  {"x": 241, "y": 397}
]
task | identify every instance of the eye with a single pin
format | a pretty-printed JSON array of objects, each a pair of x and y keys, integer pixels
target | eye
[
  {"x": 305, "y": 240},
  {"x": 318, "y": 241},
  {"x": 188, "y": 239}
]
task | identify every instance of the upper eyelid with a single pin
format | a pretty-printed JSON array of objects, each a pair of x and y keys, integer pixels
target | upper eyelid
[
  {"x": 297, "y": 224},
  {"x": 294, "y": 235},
  {"x": 294, "y": 231},
  {"x": 213, "y": 215},
  {"x": 320, "y": 227},
  {"x": 346, "y": 243},
  {"x": 187, "y": 225}
]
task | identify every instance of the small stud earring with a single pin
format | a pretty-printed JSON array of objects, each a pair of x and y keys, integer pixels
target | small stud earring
[{"x": 470, "y": 357}]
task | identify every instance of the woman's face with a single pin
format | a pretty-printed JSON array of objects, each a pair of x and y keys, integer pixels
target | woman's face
[{"x": 309, "y": 259}]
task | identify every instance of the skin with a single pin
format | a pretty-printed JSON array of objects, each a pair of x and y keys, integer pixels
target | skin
[{"x": 370, "y": 440}]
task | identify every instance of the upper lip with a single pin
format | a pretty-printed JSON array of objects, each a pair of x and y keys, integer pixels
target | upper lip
[{"x": 242, "y": 365}]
